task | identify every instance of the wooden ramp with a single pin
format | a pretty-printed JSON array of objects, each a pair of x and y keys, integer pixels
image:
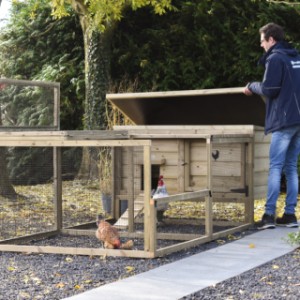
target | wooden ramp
[{"x": 138, "y": 208}]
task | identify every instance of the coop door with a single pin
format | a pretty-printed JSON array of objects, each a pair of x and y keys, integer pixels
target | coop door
[
  {"x": 155, "y": 172},
  {"x": 229, "y": 168}
]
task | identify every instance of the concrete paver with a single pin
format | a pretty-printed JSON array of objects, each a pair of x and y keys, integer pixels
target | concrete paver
[{"x": 189, "y": 275}]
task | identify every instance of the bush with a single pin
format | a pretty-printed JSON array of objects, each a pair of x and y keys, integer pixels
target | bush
[{"x": 294, "y": 238}]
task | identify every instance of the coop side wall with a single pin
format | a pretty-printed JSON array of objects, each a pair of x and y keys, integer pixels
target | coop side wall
[{"x": 183, "y": 161}]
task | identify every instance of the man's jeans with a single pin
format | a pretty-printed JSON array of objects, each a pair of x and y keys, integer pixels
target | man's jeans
[{"x": 284, "y": 151}]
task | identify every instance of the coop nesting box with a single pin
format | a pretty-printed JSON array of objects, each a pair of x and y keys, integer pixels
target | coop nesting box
[{"x": 180, "y": 125}]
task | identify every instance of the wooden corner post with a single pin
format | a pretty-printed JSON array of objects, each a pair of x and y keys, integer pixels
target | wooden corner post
[
  {"x": 149, "y": 205},
  {"x": 208, "y": 198}
]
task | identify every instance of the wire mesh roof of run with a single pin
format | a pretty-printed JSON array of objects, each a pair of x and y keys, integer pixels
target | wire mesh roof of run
[{"x": 226, "y": 106}]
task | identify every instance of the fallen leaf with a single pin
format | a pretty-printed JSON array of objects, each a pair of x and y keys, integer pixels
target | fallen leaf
[
  {"x": 26, "y": 279},
  {"x": 36, "y": 280},
  {"x": 77, "y": 287},
  {"x": 24, "y": 295},
  {"x": 103, "y": 257},
  {"x": 11, "y": 268},
  {"x": 251, "y": 246},
  {"x": 263, "y": 278},
  {"x": 275, "y": 267},
  {"x": 129, "y": 269},
  {"x": 220, "y": 242},
  {"x": 88, "y": 281},
  {"x": 69, "y": 259},
  {"x": 60, "y": 285}
]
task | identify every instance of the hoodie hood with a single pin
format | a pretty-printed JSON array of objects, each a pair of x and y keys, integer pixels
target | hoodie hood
[{"x": 282, "y": 47}]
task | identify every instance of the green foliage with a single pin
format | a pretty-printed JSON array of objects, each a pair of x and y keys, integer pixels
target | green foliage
[
  {"x": 205, "y": 44},
  {"x": 101, "y": 14},
  {"x": 34, "y": 46},
  {"x": 294, "y": 238},
  {"x": 27, "y": 106}
]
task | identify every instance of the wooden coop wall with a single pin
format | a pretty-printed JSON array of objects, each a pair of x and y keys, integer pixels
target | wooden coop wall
[
  {"x": 183, "y": 164},
  {"x": 182, "y": 157}
]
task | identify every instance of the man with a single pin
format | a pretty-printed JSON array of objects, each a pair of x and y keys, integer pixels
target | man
[{"x": 281, "y": 88}]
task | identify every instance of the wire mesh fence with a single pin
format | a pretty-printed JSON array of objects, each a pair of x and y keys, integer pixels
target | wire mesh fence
[{"x": 65, "y": 190}]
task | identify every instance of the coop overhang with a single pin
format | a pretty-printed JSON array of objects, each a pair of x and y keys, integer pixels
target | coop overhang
[{"x": 227, "y": 106}]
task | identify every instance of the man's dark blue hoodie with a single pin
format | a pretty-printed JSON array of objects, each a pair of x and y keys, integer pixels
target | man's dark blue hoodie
[{"x": 280, "y": 86}]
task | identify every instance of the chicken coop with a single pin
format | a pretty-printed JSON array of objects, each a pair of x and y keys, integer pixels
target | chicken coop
[
  {"x": 207, "y": 147},
  {"x": 210, "y": 148}
]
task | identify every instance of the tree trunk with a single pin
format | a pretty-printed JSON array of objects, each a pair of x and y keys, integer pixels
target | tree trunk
[
  {"x": 97, "y": 75},
  {"x": 97, "y": 80}
]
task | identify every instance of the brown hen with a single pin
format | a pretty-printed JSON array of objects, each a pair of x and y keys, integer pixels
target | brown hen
[
  {"x": 110, "y": 237},
  {"x": 108, "y": 234}
]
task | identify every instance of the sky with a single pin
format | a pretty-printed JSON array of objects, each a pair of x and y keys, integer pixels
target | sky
[{"x": 5, "y": 5}]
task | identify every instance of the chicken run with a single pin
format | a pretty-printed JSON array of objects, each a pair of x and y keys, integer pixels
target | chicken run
[{"x": 181, "y": 176}]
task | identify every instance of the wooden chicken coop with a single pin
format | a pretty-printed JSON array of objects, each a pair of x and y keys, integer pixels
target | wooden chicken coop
[{"x": 209, "y": 146}]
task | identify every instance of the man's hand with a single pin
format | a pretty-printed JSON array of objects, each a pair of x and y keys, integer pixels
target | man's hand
[{"x": 247, "y": 91}]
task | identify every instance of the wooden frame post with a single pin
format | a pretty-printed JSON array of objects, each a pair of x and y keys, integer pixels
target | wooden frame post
[
  {"x": 130, "y": 190},
  {"x": 57, "y": 186},
  {"x": 208, "y": 198},
  {"x": 249, "y": 207},
  {"x": 149, "y": 205}
]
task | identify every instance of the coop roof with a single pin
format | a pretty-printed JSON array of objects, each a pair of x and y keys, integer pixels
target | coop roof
[{"x": 227, "y": 106}]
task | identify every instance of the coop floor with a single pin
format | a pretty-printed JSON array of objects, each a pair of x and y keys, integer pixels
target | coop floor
[{"x": 191, "y": 274}]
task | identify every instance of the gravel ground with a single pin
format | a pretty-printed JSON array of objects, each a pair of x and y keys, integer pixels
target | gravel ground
[
  {"x": 278, "y": 279},
  {"x": 51, "y": 277}
]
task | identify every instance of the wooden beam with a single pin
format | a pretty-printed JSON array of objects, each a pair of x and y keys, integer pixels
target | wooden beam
[
  {"x": 182, "y": 246},
  {"x": 188, "y": 196},
  {"x": 61, "y": 142},
  {"x": 223, "y": 233},
  {"x": 76, "y": 251},
  {"x": 145, "y": 95},
  {"x": 29, "y": 237}
]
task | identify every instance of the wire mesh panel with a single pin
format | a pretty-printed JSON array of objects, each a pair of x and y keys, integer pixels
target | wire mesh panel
[
  {"x": 101, "y": 200},
  {"x": 27, "y": 193},
  {"x": 29, "y": 104}
]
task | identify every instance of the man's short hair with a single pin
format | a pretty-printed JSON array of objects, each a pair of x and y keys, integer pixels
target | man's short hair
[{"x": 272, "y": 30}]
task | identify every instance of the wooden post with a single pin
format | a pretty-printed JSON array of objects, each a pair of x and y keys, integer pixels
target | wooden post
[
  {"x": 130, "y": 189},
  {"x": 187, "y": 165},
  {"x": 57, "y": 186},
  {"x": 149, "y": 209},
  {"x": 116, "y": 178},
  {"x": 56, "y": 119},
  {"x": 181, "y": 167},
  {"x": 249, "y": 208},
  {"x": 208, "y": 199}
]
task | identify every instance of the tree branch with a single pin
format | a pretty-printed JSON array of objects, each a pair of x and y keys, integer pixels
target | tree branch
[{"x": 284, "y": 2}]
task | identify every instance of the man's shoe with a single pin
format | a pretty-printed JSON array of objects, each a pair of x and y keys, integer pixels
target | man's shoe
[
  {"x": 267, "y": 222},
  {"x": 287, "y": 221}
]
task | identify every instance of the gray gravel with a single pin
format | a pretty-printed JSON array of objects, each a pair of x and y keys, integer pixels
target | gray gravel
[
  {"x": 278, "y": 279},
  {"x": 47, "y": 276}
]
